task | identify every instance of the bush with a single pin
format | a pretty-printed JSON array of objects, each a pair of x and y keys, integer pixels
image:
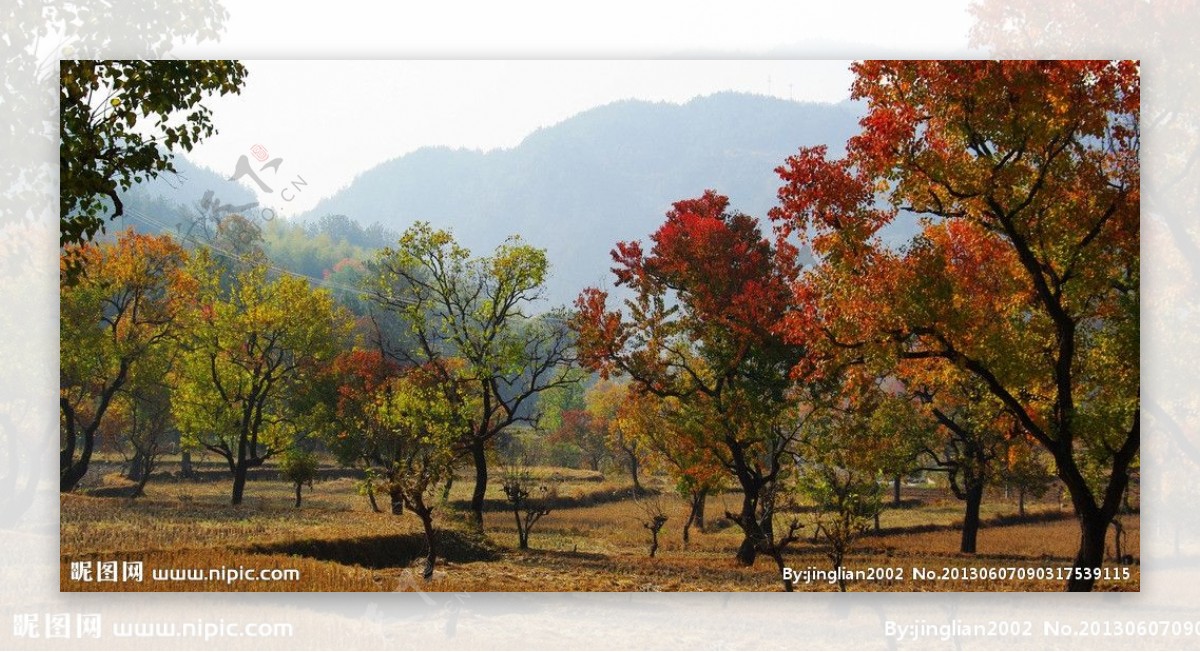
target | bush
[{"x": 300, "y": 468}]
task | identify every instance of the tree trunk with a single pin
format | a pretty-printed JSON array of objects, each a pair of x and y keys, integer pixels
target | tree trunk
[
  {"x": 633, "y": 471},
  {"x": 239, "y": 481},
  {"x": 397, "y": 497},
  {"x": 838, "y": 556},
  {"x": 426, "y": 516},
  {"x": 1093, "y": 530},
  {"x": 298, "y": 494},
  {"x": 1118, "y": 536},
  {"x": 778, "y": 557},
  {"x": 695, "y": 516},
  {"x": 970, "y": 530},
  {"x": 74, "y": 470},
  {"x": 371, "y": 498},
  {"x": 896, "y": 491},
  {"x": 1094, "y": 518},
  {"x": 137, "y": 467},
  {"x": 748, "y": 550},
  {"x": 479, "y": 456},
  {"x": 522, "y": 533},
  {"x": 147, "y": 467},
  {"x": 1021, "y": 502},
  {"x": 70, "y": 470},
  {"x": 446, "y": 488},
  {"x": 185, "y": 464}
]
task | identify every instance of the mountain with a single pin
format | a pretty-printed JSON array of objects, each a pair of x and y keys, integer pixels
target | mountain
[
  {"x": 164, "y": 202},
  {"x": 604, "y": 175}
]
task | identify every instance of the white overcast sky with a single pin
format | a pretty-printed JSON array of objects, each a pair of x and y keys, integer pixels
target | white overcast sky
[{"x": 331, "y": 120}]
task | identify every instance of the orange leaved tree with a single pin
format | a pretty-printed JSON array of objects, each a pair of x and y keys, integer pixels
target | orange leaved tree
[
  {"x": 118, "y": 313},
  {"x": 1023, "y": 178}
]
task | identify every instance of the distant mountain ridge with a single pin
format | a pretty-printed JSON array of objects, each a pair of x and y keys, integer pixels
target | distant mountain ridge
[{"x": 604, "y": 175}]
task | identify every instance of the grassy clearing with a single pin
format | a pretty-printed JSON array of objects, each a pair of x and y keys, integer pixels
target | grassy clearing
[{"x": 592, "y": 540}]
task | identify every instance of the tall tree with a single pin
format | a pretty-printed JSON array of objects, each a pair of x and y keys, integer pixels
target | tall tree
[
  {"x": 1025, "y": 177},
  {"x": 124, "y": 308},
  {"x": 476, "y": 310},
  {"x": 120, "y": 121},
  {"x": 250, "y": 350},
  {"x": 700, "y": 327}
]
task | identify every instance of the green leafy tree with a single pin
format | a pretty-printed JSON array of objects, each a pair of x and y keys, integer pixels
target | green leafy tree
[
  {"x": 475, "y": 310},
  {"x": 847, "y": 499},
  {"x": 554, "y": 403},
  {"x": 1025, "y": 467},
  {"x": 120, "y": 121},
  {"x": 250, "y": 351},
  {"x": 299, "y": 467},
  {"x": 972, "y": 433}
]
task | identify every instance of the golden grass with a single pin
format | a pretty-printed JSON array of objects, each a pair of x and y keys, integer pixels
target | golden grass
[{"x": 593, "y": 541}]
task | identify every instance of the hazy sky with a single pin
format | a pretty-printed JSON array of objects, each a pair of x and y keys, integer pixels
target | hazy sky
[{"x": 331, "y": 120}]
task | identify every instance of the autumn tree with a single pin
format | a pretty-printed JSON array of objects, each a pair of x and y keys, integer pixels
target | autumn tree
[
  {"x": 578, "y": 428},
  {"x": 355, "y": 428},
  {"x": 403, "y": 424},
  {"x": 604, "y": 402},
  {"x": 676, "y": 441},
  {"x": 250, "y": 351},
  {"x": 1025, "y": 467},
  {"x": 121, "y": 312},
  {"x": 477, "y": 310},
  {"x": 1024, "y": 179},
  {"x": 364, "y": 429},
  {"x": 120, "y": 122},
  {"x": 700, "y": 327}
]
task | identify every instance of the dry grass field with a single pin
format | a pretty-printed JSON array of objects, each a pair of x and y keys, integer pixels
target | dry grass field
[{"x": 592, "y": 540}]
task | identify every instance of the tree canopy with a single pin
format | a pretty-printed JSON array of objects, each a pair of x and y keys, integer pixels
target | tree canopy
[
  {"x": 1024, "y": 177},
  {"x": 120, "y": 121}
]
